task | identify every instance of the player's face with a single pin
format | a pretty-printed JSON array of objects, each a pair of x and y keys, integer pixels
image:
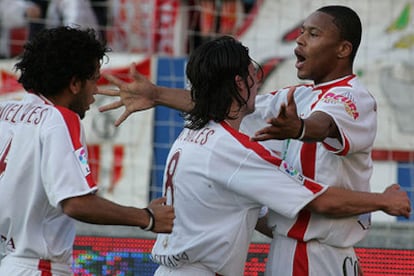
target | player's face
[
  {"x": 85, "y": 97},
  {"x": 317, "y": 48}
]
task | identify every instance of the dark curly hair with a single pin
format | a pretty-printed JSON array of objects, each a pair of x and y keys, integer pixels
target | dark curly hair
[
  {"x": 211, "y": 71},
  {"x": 55, "y": 56}
]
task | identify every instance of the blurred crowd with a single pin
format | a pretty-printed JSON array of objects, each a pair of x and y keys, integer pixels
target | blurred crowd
[
  {"x": 20, "y": 20},
  {"x": 34, "y": 15},
  {"x": 210, "y": 18}
]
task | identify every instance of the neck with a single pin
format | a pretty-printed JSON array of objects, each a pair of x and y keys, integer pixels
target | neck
[
  {"x": 236, "y": 115},
  {"x": 61, "y": 99},
  {"x": 234, "y": 123},
  {"x": 334, "y": 75}
]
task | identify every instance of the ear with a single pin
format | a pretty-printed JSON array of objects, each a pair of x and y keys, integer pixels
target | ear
[
  {"x": 344, "y": 49},
  {"x": 239, "y": 82},
  {"x": 75, "y": 85}
]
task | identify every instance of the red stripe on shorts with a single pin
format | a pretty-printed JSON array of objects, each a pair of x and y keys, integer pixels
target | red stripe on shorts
[{"x": 45, "y": 267}]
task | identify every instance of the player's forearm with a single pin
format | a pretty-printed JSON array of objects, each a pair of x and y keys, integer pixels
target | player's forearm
[
  {"x": 176, "y": 98},
  {"x": 96, "y": 210},
  {"x": 319, "y": 126},
  {"x": 338, "y": 202}
]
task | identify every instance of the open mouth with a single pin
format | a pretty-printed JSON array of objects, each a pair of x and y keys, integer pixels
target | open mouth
[{"x": 300, "y": 59}]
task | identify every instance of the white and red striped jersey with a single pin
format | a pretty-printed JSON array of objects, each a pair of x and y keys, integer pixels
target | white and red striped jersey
[
  {"x": 218, "y": 180},
  {"x": 347, "y": 164},
  {"x": 43, "y": 160}
]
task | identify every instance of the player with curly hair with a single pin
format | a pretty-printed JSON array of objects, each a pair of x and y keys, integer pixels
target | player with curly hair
[{"x": 45, "y": 179}]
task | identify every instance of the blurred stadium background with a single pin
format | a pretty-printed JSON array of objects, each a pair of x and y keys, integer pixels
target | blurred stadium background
[{"x": 157, "y": 35}]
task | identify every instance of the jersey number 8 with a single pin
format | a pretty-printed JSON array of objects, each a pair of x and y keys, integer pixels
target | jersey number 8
[{"x": 169, "y": 183}]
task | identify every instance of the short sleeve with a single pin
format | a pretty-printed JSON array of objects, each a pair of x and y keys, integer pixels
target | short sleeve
[
  {"x": 354, "y": 113},
  {"x": 64, "y": 167}
]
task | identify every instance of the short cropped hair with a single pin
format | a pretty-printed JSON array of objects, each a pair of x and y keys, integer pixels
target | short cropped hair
[{"x": 348, "y": 23}]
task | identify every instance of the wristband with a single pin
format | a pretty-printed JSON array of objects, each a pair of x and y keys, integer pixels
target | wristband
[
  {"x": 151, "y": 223},
  {"x": 302, "y": 130}
]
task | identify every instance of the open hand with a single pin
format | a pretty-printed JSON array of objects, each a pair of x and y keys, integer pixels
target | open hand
[
  {"x": 137, "y": 95},
  {"x": 286, "y": 125}
]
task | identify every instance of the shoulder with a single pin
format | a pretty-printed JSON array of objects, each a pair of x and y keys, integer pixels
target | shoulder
[
  {"x": 355, "y": 94},
  {"x": 63, "y": 118}
]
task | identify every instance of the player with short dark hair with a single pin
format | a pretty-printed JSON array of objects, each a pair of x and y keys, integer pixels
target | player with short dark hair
[{"x": 328, "y": 131}]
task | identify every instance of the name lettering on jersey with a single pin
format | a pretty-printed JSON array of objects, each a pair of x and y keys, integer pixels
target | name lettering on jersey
[
  {"x": 196, "y": 136},
  {"x": 3, "y": 158},
  {"x": 171, "y": 260},
  {"x": 16, "y": 113},
  {"x": 82, "y": 158},
  {"x": 7, "y": 243},
  {"x": 350, "y": 266},
  {"x": 292, "y": 172},
  {"x": 349, "y": 105}
]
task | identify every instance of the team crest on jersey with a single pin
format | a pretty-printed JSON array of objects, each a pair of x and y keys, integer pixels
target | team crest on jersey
[
  {"x": 292, "y": 172},
  {"x": 82, "y": 158},
  {"x": 348, "y": 103}
]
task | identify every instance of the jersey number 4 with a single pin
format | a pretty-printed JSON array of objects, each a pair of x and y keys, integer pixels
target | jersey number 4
[
  {"x": 3, "y": 158},
  {"x": 169, "y": 183}
]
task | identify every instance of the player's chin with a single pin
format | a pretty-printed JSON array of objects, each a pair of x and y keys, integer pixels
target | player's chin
[
  {"x": 302, "y": 75},
  {"x": 82, "y": 113}
]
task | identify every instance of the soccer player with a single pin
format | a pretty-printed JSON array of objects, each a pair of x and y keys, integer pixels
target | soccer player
[
  {"x": 45, "y": 179},
  {"x": 218, "y": 179},
  {"x": 328, "y": 130}
]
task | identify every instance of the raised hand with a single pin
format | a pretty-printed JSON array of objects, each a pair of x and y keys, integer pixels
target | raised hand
[
  {"x": 398, "y": 203},
  {"x": 137, "y": 95},
  {"x": 286, "y": 125},
  {"x": 163, "y": 215}
]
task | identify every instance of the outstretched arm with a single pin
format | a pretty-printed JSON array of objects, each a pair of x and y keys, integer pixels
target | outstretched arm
[
  {"x": 339, "y": 202},
  {"x": 141, "y": 94},
  {"x": 97, "y": 210},
  {"x": 288, "y": 125}
]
